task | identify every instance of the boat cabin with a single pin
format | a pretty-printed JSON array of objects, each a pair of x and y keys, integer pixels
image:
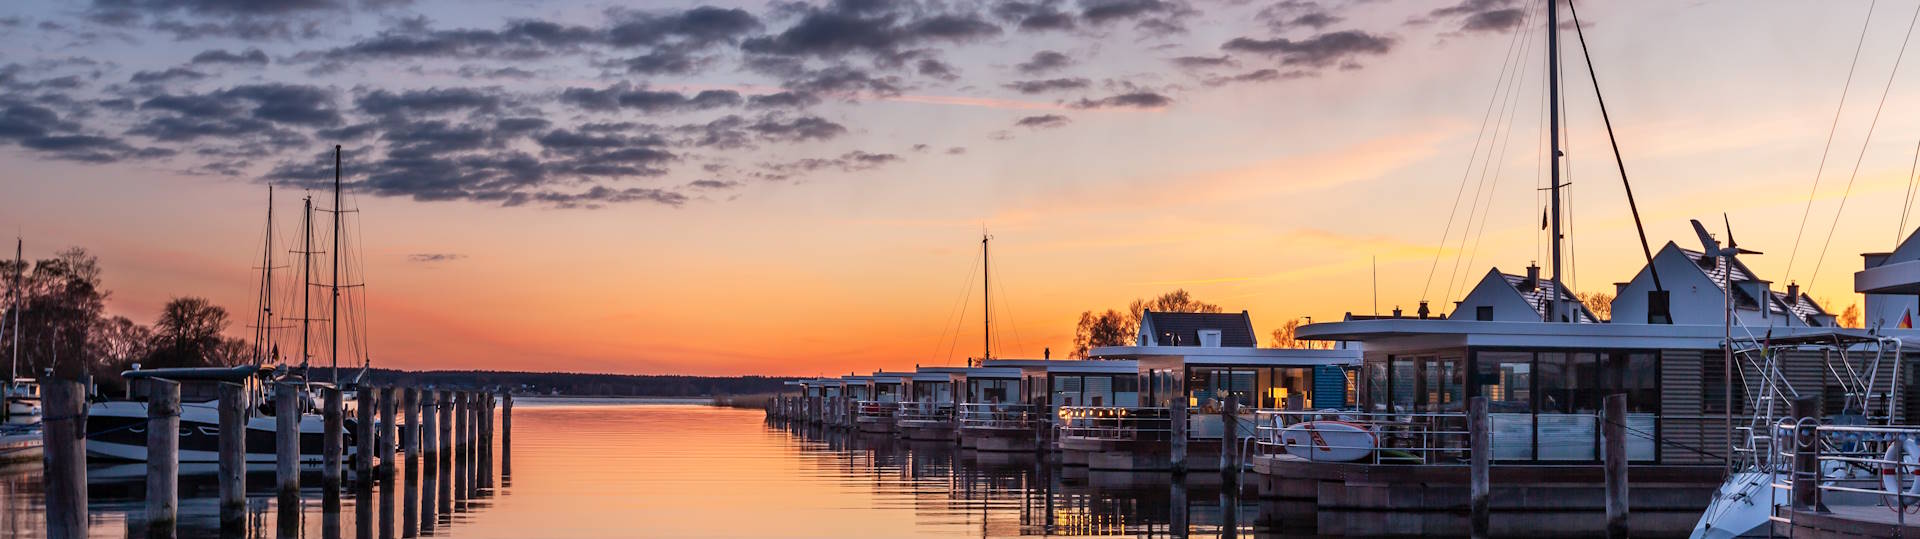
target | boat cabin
[{"x": 1254, "y": 378}]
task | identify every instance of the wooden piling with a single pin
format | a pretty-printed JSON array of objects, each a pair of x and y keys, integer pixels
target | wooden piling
[
  {"x": 445, "y": 442},
  {"x": 366, "y": 398},
  {"x": 1614, "y": 436},
  {"x": 460, "y": 446},
  {"x": 410, "y": 410},
  {"x": 1230, "y": 441},
  {"x": 1480, "y": 437},
  {"x": 233, "y": 456},
  {"x": 163, "y": 455},
  {"x": 1177, "y": 435},
  {"x": 410, "y": 506},
  {"x": 430, "y": 426},
  {"x": 389, "y": 430},
  {"x": 506, "y": 435},
  {"x": 333, "y": 440},
  {"x": 286, "y": 441},
  {"x": 63, "y": 405}
]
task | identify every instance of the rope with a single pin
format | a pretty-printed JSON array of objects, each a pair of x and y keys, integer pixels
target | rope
[
  {"x": 1863, "y": 148},
  {"x": 1913, "y": 174},
  {"x": 1831, "y": 129},
  {"x": 1485, "y": 117}
]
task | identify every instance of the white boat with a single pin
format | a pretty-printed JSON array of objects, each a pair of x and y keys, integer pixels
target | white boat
[
  {"x": 117, "y": 430},
  {"x": 1330, "y": 441},
  {"x": 23, "y": 401}
]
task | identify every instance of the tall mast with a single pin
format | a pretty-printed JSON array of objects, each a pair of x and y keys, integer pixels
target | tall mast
[
  {"x": 19, "y": 268},
  {"x": 334, "y": 356},
  {"x": 1553, "y": 124},
  {"x": 306, "y": 278},
  {"x": 986, "y": 302},
  {"x": 264, "y": 319}
]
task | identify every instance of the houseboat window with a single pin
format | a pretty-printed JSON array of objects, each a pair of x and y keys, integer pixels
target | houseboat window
[
  {"x": 1506, "y": 380},
  {"x": 1554, "y": 393},
  {"x": 1641, "y": 382},
  {"x": 1126, "y": 390},
  {"x": 1285, "y": 385},
  {"x": 1403, "y": 383},
  {"x": 1211, "y": 386},
  {"x": 991, "y": 391},
  {"x": 1446, "y": 385},
  {"x": 1377, "y": 386},
  {"x": 1066, "y": 391}
]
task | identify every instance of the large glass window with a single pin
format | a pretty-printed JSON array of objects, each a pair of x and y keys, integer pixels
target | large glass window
[
  {"x": 1377, "y": 386},
  {"x": 1403, "y": 383},
  {"x": 991, "y": 390}
]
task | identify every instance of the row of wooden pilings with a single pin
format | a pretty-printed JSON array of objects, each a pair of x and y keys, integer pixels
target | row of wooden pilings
[{"x": 452, "y": 431}]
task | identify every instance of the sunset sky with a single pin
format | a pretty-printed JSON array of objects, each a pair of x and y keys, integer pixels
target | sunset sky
[{"x": 799, "y": 188}]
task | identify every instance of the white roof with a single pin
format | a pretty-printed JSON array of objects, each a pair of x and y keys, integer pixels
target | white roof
[
  {"x": 1389, "y": 334},
  {"x": 1200, "y": 355}
]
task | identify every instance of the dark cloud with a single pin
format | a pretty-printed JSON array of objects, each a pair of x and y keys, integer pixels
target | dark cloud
[
  {"x": 1034, "y": 16},
  {"x": 1104, "y": 11},
  {"x": 693, "y": 28},
  {"x": 931, "y": 68},
  {"x": 238, "y": 8},
  {"x": 844, "y": 80},
  {"x": 792, "y": 100},
  {"x": 853, "y": 161},
  {"x": 248, "y": 29},
  {"x": 1318, "y": 51},
  {"x": 44, "y": 132},
  {"x": 254, "y": 57},
  {"x": 518, "y": 40},
  {"x": 479, "y": 72},
  {"x": 867, "y": 27},
  {"x": 1049, "y": 85},
  {"x": 663, "y": 62},
  {"x": 1258, "y": 75},
  {"x": 1135, "y": 99},
  {"x": 624, "y": 95},
  {"x": 435, "y": 257},
  {"x": 1044, "y": 121},
  {"x": 429, "y": 101},
  {"x": 1044, "y": 61},
  {"x": 1478, "y": 15},
  {"x": 1290, "y": 14},
  {"x": 800, "y": 129},
  {"x": 1203, "y": 62},
  {"x": 713, "y": 185},
  {"x": 956, "y": 150},
  {"x": 157, "y": 77}
]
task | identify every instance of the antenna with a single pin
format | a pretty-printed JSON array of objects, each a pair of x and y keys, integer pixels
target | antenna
[
  {"x": 334, "y": 312},
  {"x": 986, "y": 298}
]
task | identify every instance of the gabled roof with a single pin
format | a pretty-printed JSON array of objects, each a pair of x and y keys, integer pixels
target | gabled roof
[
  {"x": 1805, "y": 309},
  {"x": 1537, "y": 295},
  {"x": 1183, "y": 329}
]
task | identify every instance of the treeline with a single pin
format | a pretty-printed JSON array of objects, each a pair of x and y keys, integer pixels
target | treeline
[
  {"x": 59, "y": 306},
  {"x": 571, "y": 384}
]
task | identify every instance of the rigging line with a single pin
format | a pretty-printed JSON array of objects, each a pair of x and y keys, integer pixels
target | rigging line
[
  {"x": 952, "y": 311},
  {"x": 1645, "y": 249},
  {"x": 1020, "y": 345},
  {"x": 1499, "y": 164},
  {"x": 1446, "y": 232},
  {"x": 1566, "y": 145},
  {"x": 1505, "y": 91},
  {"x": 966, "y": 301},
  {"x": 1913, "y": 174},
  {"x": 1845, "y": 88},
  {"x": 1863, "y": 148}
]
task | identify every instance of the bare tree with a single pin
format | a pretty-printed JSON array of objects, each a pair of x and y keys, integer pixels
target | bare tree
[
  {"x": 1600, "y": 303},
  {"x": 1113, "y": 328}
]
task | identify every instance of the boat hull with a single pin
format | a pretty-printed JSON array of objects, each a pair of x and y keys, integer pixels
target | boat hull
[{"x": 117, "y": 431}]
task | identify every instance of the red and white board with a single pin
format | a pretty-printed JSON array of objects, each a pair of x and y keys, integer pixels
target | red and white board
[{"x": 1334, "y": 441}]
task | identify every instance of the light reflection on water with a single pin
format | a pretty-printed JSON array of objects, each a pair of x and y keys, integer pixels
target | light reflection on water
[{"x": 607, "y": 468}]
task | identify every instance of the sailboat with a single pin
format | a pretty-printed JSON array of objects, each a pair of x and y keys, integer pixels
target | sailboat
[
  {"x": 20, "y": 434},
  {"x": 116, "y": 428}
]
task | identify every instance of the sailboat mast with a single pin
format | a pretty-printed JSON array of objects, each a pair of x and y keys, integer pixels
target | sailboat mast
[
  {"x": 19, "y": 268},
  {"x": 306, "y": 278},
  {"x": 1553, "y": 125},
  {"x": 334, "y": 355},
  {"x": 264, "y": 318},
  {"x": 986, "y": 302}
]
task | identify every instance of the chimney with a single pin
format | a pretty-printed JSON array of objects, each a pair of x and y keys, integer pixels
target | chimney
[
  {"x": 1396, "y": 311},
  {"x": 1423, "y": 309},
  {"x": 1533, "y": 277},
  {"x": 1793, "y": 293}
]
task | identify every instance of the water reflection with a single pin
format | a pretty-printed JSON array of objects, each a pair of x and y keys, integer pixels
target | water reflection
[{"x": 617, "y": 469}]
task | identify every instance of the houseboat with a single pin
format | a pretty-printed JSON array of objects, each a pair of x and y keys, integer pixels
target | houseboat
[
  {"x": 993, "y": 414},
  {"x": 1202, "y": 370},
  {"x": 1544, "y": 362},
  {"x": 927, "y": 411},
  {"x": 884, "y": 389}
]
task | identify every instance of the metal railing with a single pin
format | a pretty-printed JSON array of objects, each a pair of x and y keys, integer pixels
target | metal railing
[
  {"x": 1397, "y": 438},
  {"x": 999, "y": 416},
  {"x": 923, "y": 413},
  {"x": 866, "y": 409},
  {"x": 1852, "y": 465},
  {"x": 1120, "y": 423}
]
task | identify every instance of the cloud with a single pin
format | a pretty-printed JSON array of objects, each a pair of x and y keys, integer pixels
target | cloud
[
  {"x": 435, "y": 257},
  {"x": 1104, "y": 11},
  {"x": 1044, "y": 61},
  {"x": 156, "y": 77},
  {"x": 872, "y": 28},
  {"x": 1045, "y": 121},
  {"x": 790, "y": 99},
  {"x": 713, "y": 185},
  {"x": 624, "y": 95},
  {"x": 853, "y": 161},
  {"x": 1034, "y": 16},
  {"x": 1203, "y": 62},
  {"x": 1258, "y": 75},
  {"x": 844, "y": 80},
  {"x": 412, "y": 39},
  {"x": 254, "y": 57},
  {"x": 1136, "y": 99},
  {"x": 429, "y": 101},
  {"x": 1050, "y": 85},
  {"x": 1478, "y": 15},
  {"x": 1318, "y": 51},
  {"x": 692, "y": 28}
]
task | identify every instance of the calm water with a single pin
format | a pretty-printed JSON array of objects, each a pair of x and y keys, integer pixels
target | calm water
[{"x": 587, "y": 468}]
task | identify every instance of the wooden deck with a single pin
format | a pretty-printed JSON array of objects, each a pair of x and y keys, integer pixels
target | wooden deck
[{"x": 1849, "y": 521}]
